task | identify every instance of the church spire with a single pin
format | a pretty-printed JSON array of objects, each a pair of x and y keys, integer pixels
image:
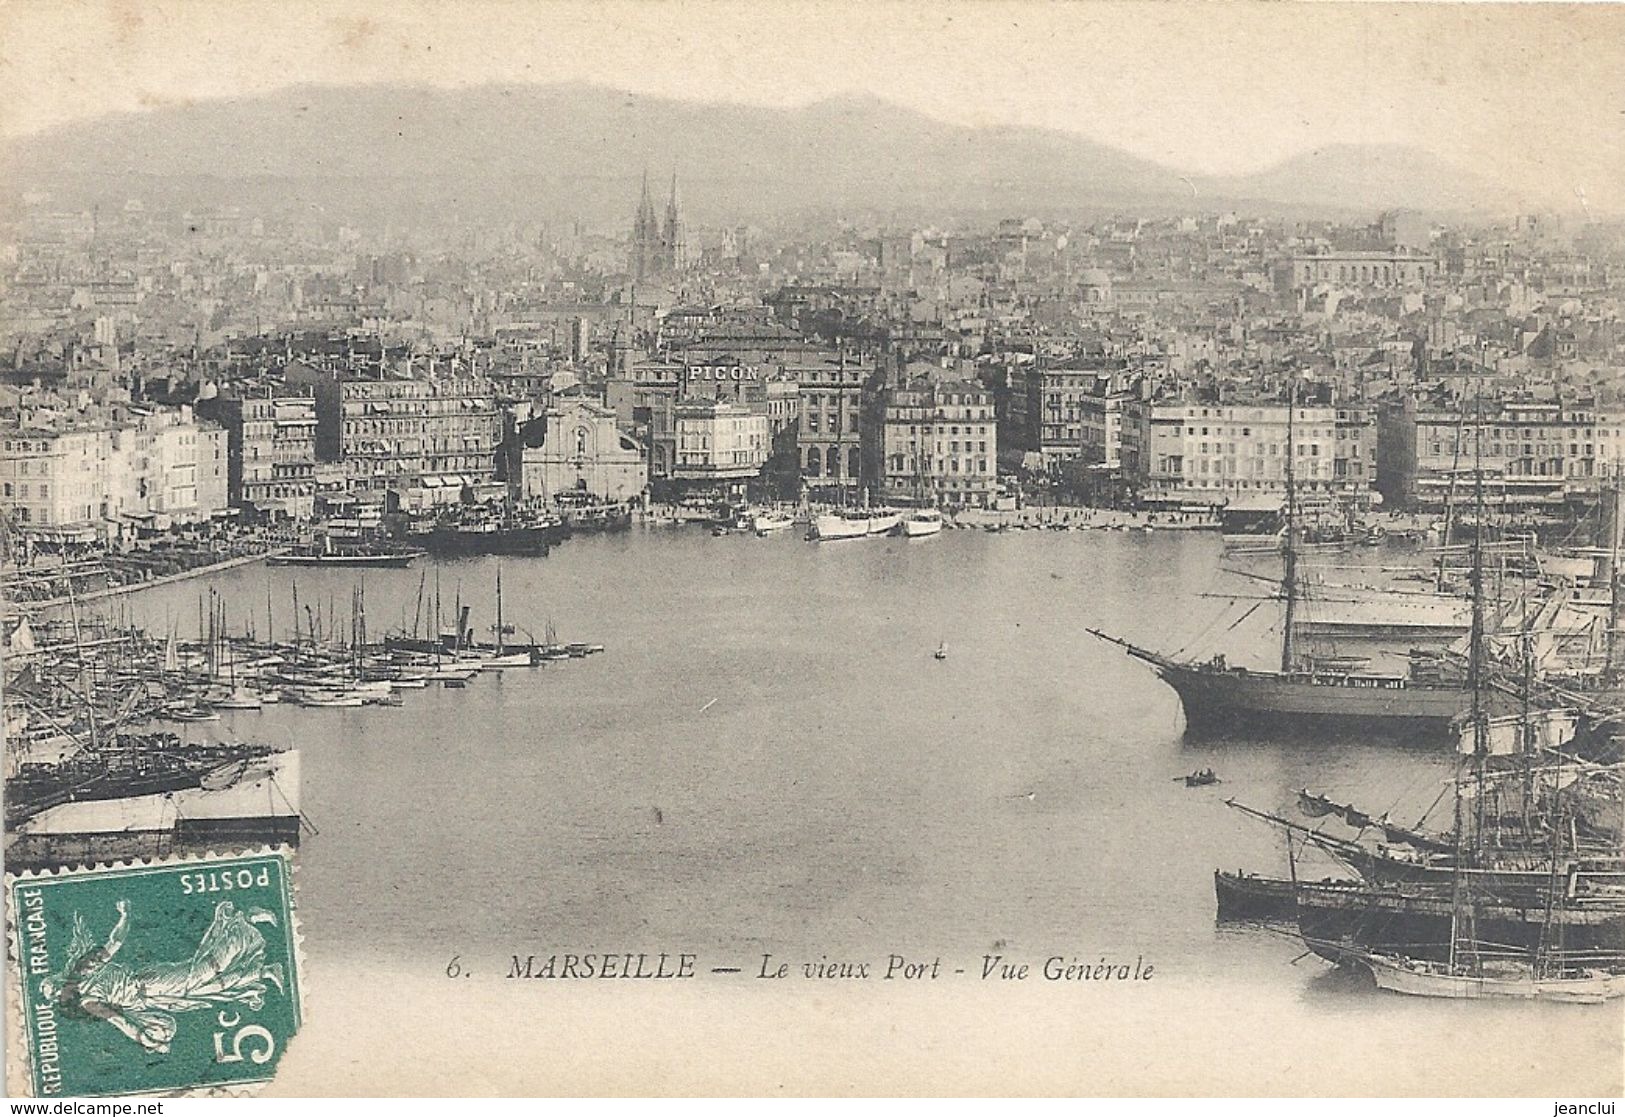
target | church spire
[
  {"x": 672, "y": 238},
  {"x": 646, "y": 236}
]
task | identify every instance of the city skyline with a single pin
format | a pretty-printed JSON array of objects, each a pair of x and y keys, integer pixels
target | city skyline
[{"x": 1528, "y": 95}]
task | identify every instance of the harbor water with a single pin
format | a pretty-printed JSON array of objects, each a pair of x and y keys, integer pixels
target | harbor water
[{"x": 770, "y": 760}]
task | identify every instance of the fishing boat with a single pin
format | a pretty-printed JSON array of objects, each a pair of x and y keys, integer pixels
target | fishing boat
[
  {"x": 922, "y": 523},
  {"x": 189, "y": 712},
  {"x": 239, "y": 699},
  {"x": 1203, "y": 778},
  {"x": 1506, "y": 979},
  {"x": 324, "y": 699},
  {"x": 769, "y": 521},
  {"x": 499, "y": 661},
  {"x": 500, "y": 656},
  {"x": 453, "y": 671},
  {"x": 840, "y": 525}
]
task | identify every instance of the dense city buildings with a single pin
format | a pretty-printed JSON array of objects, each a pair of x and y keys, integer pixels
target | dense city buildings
[
  {"x": 1135, "y": 361},
  {"x": 103, "y": 474}
]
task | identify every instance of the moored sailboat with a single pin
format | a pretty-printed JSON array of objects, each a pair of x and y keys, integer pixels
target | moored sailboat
[{"x": 1304, "y": 690}]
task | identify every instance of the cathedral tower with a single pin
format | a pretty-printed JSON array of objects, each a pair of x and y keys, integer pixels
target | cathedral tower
[{"x": 672, "y": 243}]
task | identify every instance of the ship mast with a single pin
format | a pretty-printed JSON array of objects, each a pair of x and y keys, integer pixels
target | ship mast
[
  {"x": 1450, "y": 501},
  {"x": 1476, "y": 652},
  {"x": 1289, "y": 551},
  {"x": 499, "y": 611},
  {"x": 1611, "y": 660}
]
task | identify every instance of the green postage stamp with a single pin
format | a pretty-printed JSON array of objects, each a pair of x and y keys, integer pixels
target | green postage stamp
[{"x": 153, "y": 978}]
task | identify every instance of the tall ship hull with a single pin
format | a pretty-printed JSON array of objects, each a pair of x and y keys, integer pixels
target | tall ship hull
[
  {"x": 256, "y": 805},
  {"x": 519, "y": 541},
  {"x": 1214, "y": 696},
  {"x": 388, "y": 560},
  {"x": 1337, "y": 921}
]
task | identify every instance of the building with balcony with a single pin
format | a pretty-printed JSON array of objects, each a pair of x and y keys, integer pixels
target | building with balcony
[
  {"x": 719, "y": 442},
  {"x": 426, "y": 439},
  {"x": 938, "y": 444},
  {"x": 1212, "y": 453}
]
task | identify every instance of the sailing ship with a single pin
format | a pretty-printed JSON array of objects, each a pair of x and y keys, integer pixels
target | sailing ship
[
  {"x": 1552, "y": 930},
  {"x": 1304, "y": 689}
]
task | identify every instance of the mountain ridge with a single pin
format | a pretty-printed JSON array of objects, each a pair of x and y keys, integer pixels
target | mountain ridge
[{"x": 854, "y": 150}]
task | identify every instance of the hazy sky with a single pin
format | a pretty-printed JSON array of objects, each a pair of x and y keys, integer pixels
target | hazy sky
[{"x": 1533, "y": 93}]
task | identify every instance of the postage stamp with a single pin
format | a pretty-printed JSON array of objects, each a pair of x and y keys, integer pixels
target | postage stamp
[{"x": 154, "y": 978}]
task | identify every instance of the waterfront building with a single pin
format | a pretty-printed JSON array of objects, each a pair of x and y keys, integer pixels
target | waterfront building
[
  {"x": 1212, "y": 453},
  {"x": 213, "y": 489},
  {"x": 426, "y": 439},
  {"x": 270, "y": 450},
  {"x": 830, "y": 435},
  {"x": 57, "y": 481},
  {"x": 80, "y": 478},
  {"x": 1074, "y": 411},
  {"x": 716, "y": 441},
  {"x": 582, "y": 451},
  {"x": 1536, "y": 455},
  {"x": 938, "y": 444}
]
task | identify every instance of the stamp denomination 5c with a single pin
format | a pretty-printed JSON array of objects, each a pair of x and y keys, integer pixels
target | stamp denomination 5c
[{"x": 156, "y": 977}]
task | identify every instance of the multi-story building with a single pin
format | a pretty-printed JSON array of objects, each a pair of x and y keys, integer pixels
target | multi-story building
[
  {"x": 155, "y": 467},
  {"x": 1387, "y": 268},
  {"x": 1354, "y": 457},
  {"x": 58, "y": 479},
  {"x": 1074, "y": 412},
  {"x": 938, "y": 444},
  {"x": 830, "y": 435},
  {"x": 213, "y": 452},
  {"x": 716, "y": 441},
  {"x": 426, "y": 439},
  {"x": 1534, "y": 455},
  {"x": 270, "y": 451},
  {"x": 1214, "y": 452}
]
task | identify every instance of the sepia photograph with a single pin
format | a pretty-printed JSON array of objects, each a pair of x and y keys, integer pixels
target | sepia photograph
[{"x": 729, "y": 548}]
